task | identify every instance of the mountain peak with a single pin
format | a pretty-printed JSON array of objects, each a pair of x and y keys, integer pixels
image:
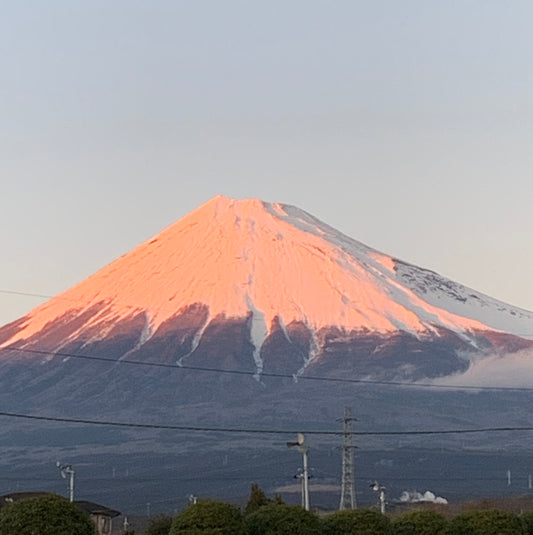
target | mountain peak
[
  {"x": 274, "y": 265},
  {"x": 219, "y": 315}
]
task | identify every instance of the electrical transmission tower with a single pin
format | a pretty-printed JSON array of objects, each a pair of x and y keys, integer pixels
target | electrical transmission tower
[{"x": 348, "y": 475}]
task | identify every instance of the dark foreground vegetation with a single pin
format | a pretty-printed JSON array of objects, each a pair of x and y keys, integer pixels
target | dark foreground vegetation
[
  {"x": 44, "y": 515},
  {"x": 218, "y": 518},
  {"x": 54, "y": 515}
]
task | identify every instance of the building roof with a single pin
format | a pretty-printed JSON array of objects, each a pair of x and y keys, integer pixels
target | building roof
[
  {"x": 96, "y": 509},
  {"x": 90, "y": 508}
]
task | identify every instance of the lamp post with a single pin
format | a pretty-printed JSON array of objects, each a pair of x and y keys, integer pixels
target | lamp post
[
  {"x": 66, "y": 469},
  {"x": 378, "y": 488},
  {"x": 303, "y": 449}
]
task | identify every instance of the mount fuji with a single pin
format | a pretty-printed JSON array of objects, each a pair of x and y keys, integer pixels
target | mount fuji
[
  {"x": 252, "y": 313},
  {"x": 245, "y": 285}
]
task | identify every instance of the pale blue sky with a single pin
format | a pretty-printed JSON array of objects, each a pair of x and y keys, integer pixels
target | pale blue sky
[{"x": 406, "y": 124}]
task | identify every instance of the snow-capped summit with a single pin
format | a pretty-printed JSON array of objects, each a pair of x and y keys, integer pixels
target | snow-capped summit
[
  {"x": 249, "y": 315},
  {"x": 253, "y": 271}
]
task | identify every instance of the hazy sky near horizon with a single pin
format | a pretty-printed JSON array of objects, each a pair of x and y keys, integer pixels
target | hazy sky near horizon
[{"x": 406, "y": 125}]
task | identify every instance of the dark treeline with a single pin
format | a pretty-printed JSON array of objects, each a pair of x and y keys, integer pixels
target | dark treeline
[{"x": 265, "y": 516}]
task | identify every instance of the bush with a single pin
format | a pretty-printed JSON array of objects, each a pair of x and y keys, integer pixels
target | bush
[
  {"x": 527, "y": 523},
  {"x": 45, "y": 515},
  {"x": 485, "y": 523},
  {"x": 259, "y": 499},
  {"x": 356, "y": 522},
  {"x": 208, "y": 517},
  {"x": 256, "y": 500},
  {"x": 282, "y": 519},
  {"x": 159, "y": 525},
  {"x": 420, "y": 523}
]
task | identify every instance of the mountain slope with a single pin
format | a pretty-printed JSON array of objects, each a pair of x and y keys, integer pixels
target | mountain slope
[
  {"x": 252, "y": 315},
  {"x": 260, "y": 287}
]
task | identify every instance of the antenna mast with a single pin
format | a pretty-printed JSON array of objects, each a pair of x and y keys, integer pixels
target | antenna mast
[{"x": 348, "y": 479}]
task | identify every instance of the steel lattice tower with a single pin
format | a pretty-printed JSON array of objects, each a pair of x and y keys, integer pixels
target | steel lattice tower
[{"x": 348, "y": 478}]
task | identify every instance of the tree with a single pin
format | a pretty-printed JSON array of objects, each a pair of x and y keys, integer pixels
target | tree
[
  {"x": 208, "y": 517},
  {"x": 256, "y": 500},
  {"x": 420, "y": 523},
  {"x": 276, "y": 499},
  {"x": 159, "y": 525},
  {"x": 527, "y": 523},
  {"x": 282, "y": 519},
  {"x": 45, "y": 515},
  {"x": 356, "y": 522},
  {"x": 491, "y": 522},
  {"x": 259, "y": 499}
]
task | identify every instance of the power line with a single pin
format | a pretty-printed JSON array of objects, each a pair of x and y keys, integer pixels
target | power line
[
  {"x": 262, "y": 431},
  {"x": 266, "y": 374},
  {"x": 26, "y": 294},
  {"x": 160, "y": 426},
  {"x": 252, "y": 373}
]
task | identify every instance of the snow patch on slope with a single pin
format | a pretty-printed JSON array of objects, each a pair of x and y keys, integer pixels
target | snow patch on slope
[
  {"x": 258, "y": 334},
  {"x": 463, "y": 301},
  {"x": 284, "y": 330},
  {"x": 146, "y": 333},
  {"x": 314, "y": 350},
  {"x": 195, "y": 341}
]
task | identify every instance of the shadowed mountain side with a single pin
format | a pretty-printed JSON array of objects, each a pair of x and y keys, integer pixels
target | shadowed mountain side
[
  {"x": 398, "y": 356},
  {"x": 402, "y": 356},
  {"x": 231, "y": 317},
  {"x": 258, "y": 288},
  {"x": 190, "y": 339},
  {"x": 285, "y": 350},
  {"x": 56, "y": 331}
]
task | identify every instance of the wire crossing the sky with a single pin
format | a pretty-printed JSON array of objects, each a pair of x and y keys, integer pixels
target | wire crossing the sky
[
  {"x": 294, "y": 377},
  {"x": 261, "y": 431}
]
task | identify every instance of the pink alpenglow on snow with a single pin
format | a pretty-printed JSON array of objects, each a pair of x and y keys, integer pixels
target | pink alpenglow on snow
[{"x": 273, "y": 262}]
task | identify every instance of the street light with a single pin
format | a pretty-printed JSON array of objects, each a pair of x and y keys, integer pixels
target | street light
[
  {"x": 66, "y": 469},
  {"x": 378, "y": 488},
  {"x": 303, "y": 449}
]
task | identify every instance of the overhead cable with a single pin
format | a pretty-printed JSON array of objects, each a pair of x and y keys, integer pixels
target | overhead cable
[
  {"x": 294, "y": 377},
  {"x": 261, "y": 431}
]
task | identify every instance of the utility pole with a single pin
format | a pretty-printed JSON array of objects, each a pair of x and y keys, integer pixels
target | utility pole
[
  {"x": 348, "y": 500},
  {"x": 66, "y": 469},
  {"x": 303, "y": 449},
  {"x": 379, "y": 488}
]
